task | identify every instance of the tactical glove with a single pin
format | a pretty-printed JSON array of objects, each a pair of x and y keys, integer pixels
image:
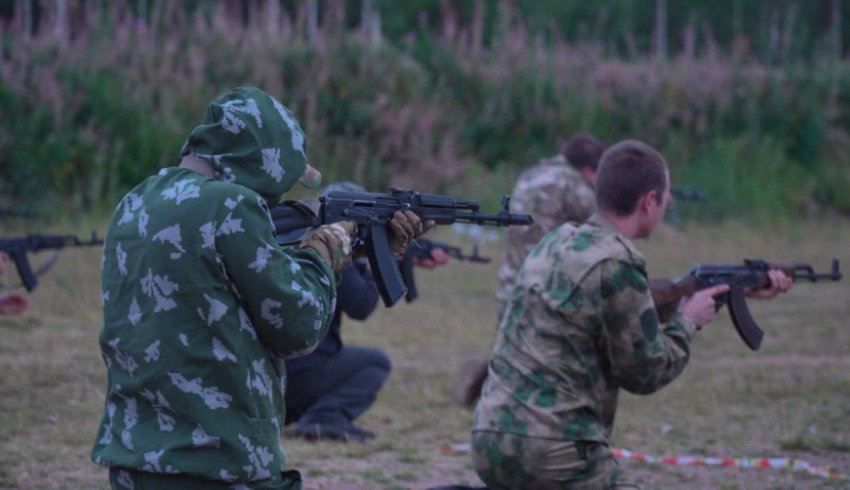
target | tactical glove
[
  {"x": 332, "y": 242},
  {"x": 406, "y": 226}
]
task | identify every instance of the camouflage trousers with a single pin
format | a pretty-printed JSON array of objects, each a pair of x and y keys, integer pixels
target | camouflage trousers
[
  {"x": 124, "y": 479},
  {"x": 508, "y": 461}
]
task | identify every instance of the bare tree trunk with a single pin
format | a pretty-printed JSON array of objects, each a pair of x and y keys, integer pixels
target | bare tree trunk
[
  {"x": 142, "y": 12},
  {"x": 737, "y": 27},
  {"x": 738, "y": 42},
  {"x": 477, "y": 32},
  {"x": 365, "y": 19},
  {"x": 27, "y": 16},
  {"x": 661, "y": 30},
  {"x": 375, "y": 28},
  {"x": 61, "y": 21},
  {"x": 774, "y": 33},
  {"x": 835, "y": 28},
  {"x": 711, "y": 47},
  {"x": 788, "y": 28},
  {"x": 689, "y": 39},
  {"x": 312, "y": 21},
  {"x": 448, "y": 16}
]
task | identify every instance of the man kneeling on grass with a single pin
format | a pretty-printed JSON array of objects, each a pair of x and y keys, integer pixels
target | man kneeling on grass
[{"x": 580, "y": 324}]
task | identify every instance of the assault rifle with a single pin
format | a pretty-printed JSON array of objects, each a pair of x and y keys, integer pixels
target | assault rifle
[
  {"x": 372, "y": 213},
  {"x": 422, "y": 249},
  {"x": 17, "y": 249},
  {"x": 752, "y": 275}
]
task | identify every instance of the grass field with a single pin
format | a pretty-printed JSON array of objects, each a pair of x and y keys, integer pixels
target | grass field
[{"x": 790, "y": 399}]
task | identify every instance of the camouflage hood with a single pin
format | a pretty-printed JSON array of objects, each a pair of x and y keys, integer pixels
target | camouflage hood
[{"x": 250, "y": 138}]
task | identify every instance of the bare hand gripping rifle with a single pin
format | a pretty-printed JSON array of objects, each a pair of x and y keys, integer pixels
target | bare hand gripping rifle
[
  {"x": 372, "y": 213},
  {"x": 18, "y": 248},
  {"x": 752, "y": 275}
]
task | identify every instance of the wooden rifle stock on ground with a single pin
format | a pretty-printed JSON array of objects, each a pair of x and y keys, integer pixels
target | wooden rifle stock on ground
[{"x": 667, "y": 293}]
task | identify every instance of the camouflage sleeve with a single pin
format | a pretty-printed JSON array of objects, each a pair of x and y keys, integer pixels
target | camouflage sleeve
[
  {"x": 644, "y": 355},
  {"x": 288, "y": 294}
]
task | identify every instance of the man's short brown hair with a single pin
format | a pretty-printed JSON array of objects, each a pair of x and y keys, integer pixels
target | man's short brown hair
[
  {"x": 628, "y": 170},
  {"x": 583, "y": 151}
]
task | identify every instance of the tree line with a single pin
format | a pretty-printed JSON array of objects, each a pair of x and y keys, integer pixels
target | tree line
[
  {"x": 770, "y": 31},
  {"x": 445, "y": 96}
]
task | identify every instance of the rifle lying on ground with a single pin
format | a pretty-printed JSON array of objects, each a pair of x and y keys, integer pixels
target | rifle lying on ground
[
  {"x": 372, "y": 213},
  {"x": 17, "y": 249},
  {"x": 422, "y": 249},
  {"x": 752, "y": 275}
]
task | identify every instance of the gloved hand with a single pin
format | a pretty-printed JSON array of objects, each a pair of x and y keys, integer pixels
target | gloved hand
[
  {"x": 332, "y": 242},
  {"x": 406, "y": 226}
]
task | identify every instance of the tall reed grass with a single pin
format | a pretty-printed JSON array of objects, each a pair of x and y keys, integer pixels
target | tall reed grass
[{"x": 85, "y": 113}]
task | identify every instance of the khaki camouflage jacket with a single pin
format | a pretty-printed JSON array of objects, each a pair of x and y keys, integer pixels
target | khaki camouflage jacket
[
  {"x": 200, "y": 304},
  {"x": 553, "y": 192},
  {"x": 579, "y": 325}
]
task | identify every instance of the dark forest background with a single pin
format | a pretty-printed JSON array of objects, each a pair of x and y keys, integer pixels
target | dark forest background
[{"x": 747, "y": 99}]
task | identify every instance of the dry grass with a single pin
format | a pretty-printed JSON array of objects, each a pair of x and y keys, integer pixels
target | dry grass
[{"x": 790, "y": 399}]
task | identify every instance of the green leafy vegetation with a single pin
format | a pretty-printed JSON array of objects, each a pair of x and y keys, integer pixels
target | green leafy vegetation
[{"x": 445, "y": 96}]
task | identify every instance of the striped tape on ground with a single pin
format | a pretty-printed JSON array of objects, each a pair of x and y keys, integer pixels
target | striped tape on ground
[{"x": 761, "y": 463}]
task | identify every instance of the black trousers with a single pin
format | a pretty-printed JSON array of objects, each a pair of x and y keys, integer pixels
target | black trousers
[{"x": 338, "y": 390}]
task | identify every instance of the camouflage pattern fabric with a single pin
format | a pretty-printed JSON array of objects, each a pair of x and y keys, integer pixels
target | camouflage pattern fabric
[
  {"x": 123, "y": 479},
  {"x": 200, "y": 305},
  {"x": 333, "y": 242},
  {"x": 553, "y": 192},
  {"x": 510, "y": 462},
  {"x": 579, "y": 325},
  {"x": 253, "y": 140}
]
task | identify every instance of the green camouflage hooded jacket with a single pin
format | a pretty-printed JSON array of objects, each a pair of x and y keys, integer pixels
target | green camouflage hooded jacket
[
  {"x": 553, "y": 192},
  {"x": 200, "y": 304},
  {"x": 579, "y": 325}
]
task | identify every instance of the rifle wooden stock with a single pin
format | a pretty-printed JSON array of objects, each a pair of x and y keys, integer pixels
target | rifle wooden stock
[{"x": 667, "y": 291}]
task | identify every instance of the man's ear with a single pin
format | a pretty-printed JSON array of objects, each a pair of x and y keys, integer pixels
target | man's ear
[{"x": 646, "y": 200}]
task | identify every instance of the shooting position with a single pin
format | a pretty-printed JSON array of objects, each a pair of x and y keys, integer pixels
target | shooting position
[{"x": 580, "y": 324}]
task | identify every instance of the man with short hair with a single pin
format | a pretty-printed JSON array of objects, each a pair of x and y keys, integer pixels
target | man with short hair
[
  {"x": 556, "y": 190},
  {"x": 578, "y": 325}
]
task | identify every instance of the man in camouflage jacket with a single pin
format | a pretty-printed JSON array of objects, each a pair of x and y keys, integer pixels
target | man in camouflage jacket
[
  {"x": 201, "y": 306},
  {"x": 556, "y": 190},
  {"x": 580, "y": 324}
]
